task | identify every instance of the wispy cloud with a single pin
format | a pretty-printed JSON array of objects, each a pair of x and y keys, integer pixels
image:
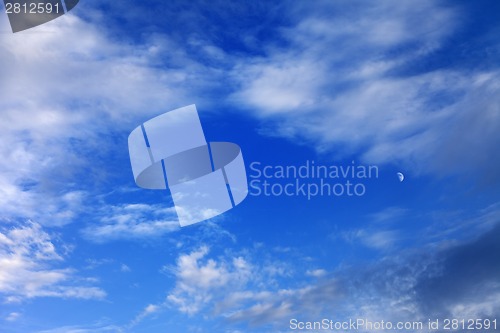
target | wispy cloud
[
  {"x": 413, "y": 285},
  {"x": 13, "y": 316},
  {"x": 383, "y": 230},
  {"x": 225, "y": 286},
  {"x": 376, "y": 239},
  {"x": 65, "y": 92},
  {"x": 388, "y": 215},
  {"x": 316, "y": 272},
  {"x": 347, "y": 77},
  {"x": 341, "y": 82},
  {"x": 132, "y": 221},
  {"x": 148, "y": 311},
  {"x": 28, "y": 268},
  {"x": 240, "y": 289},
  {"x": 438, "y": 279},
  {"x": 465, "y": 280},
  {"x": 82, "y": 329},
  {"x": 125, "y": 269}
]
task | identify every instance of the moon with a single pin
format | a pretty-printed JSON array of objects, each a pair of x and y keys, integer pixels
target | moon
[{"x": 401, "y": 176}]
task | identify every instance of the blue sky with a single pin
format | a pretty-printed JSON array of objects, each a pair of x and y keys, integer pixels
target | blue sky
[{"x": 408, "y": 87}]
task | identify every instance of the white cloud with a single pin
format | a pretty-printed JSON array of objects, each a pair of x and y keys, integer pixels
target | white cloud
[
  {"x": 200, "y": 280},
  {"x": 239, "y": 289},
  {"x": 80, "y": 329},
  {"x": 316, "y": 272},
  {"x": 438, "y": 280},
  {"x": 376, "y": 239},
  {"x": 124, "y": 268},
  {"x": 65, "y": 87},
  {"x": 275, "y": 307},
  {"x": 411, "y": 285},
  {"x": 92, "y": 263},
  {"x": 388, "y": 215},
  {"x": 132, "y": 221},
  {"x": 27, "y": 260},
  {"x": 148, "y": 311},
  {"x": 383, "y": 231},
  {"x": 486, "y": 307},
  {"x": 13, "y": 316},
  {"x": 341, "y": 84},
  {"x": 328, "y": 51}
]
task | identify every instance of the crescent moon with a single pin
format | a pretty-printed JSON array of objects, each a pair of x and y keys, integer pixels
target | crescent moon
[{"x": 401, "y": 176}]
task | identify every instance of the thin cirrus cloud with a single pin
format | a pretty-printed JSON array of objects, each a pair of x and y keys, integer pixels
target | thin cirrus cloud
[
  {"x": 342, "y": 84},
  {"x": 410, "y": 286},
  {"x": 467, "y": 283},
  {"x": 80, "y": 329},
  {"x": 28, "y": 260},
  {"x": 131, "y": 221},
  {"x": 339, "y": 89},
  {"x": 381, "y": 234}
]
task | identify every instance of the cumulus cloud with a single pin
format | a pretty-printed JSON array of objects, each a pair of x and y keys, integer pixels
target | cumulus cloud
[
  {"x": 28, "y": 267},
  {"x": 200, "y": 280}
]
